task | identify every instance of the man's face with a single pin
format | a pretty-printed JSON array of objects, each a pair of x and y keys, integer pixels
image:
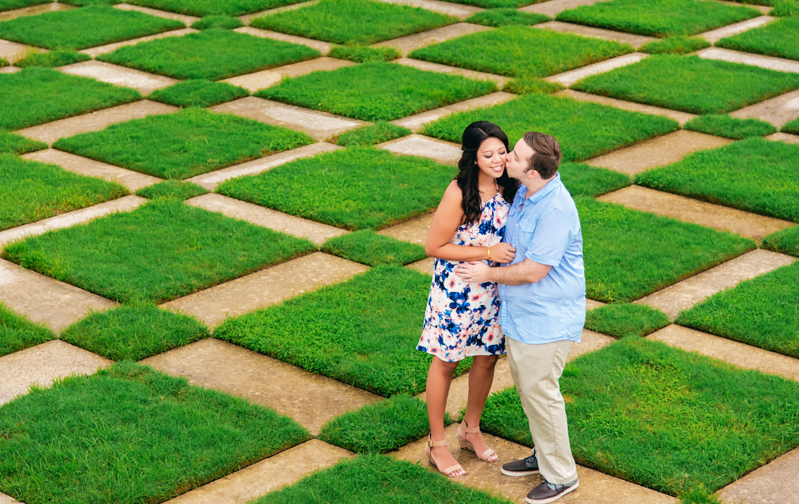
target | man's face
[{"x": 519, "y": 159}]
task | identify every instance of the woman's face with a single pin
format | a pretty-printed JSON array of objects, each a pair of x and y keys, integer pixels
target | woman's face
[{"x": 491, "y": 157}]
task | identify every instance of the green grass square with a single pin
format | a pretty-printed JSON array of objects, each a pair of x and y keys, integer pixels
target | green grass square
[
  {"x": 222, "y": 22},
  {"x": 583, "y": 180},
  {"x": 506, "y": 17},
  {"x": 727, "y": 176},
  {"x": 210, "y": 54},
  {"x": 172, "y": 189},
  {"x": 673, "y": 82},
  {"x": 355, "y": 188},
  {"x": 51, "y": 59},
  {"x": 18, "y": 332},
  {"x": 791, "y": 127},
  {"x": 183, "y": 144},
  {"x": 31, "y": 191},
  {"x": 362, "y": 332},
  {"x": 574, "y": 123},
  {"x": 730, "y": 127},
  {"x": 6, "y": 5},
  {"x": 508, "y": 51},
  {"x": 373, "y": 249},
  {"x": 785, "y": 241},
  {"x": 679, "y": 44},
  {"x": 18, "y": 144},
  {"x": 201, "y": 8},
  {"x": 658, "y": 18},
  {"x": 763, "y": 312},
  {"x": 624, "y": 319},
  {"x": 39, "y": 95},
  {"x": 664, "y": 418},
  {"x": 82, "y": 28},
  {"x": 131, "y": 435},
  {"x": 376, "y": 91},
  {"x": 353, "y": 21},
  {"x": 780, "y": 39},
  {"x": 162, "y": 250},
  {"x": 629, "y": 254},
  {"x": 198, "y": 93},
  {"x": 368, "y": 136}
]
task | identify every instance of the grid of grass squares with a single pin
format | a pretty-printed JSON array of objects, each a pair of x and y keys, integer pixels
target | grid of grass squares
[{"x": 212, "y": 219}]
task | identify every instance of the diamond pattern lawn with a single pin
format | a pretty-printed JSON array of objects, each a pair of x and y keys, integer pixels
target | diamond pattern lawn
[
  {"x": 210, "y": 54},
  {"x": 162, "y": 250},
  {"x": 183, "y": 144},
  {"x": 780, "y": 39},
  {"x": 81, "y": 28},
  {"x": 213, "y": 7},
  {"x": 17, "y": 333}
]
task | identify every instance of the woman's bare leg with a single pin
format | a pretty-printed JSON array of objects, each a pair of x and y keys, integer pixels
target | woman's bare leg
[
  {"x": 439, "y": 379},
  {"x": 481, "y": 376}
]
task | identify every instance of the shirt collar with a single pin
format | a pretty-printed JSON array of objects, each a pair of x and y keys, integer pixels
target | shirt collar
[{"x": 538, "y": 196}]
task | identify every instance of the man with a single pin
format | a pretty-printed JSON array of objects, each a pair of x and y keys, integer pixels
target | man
[{"x": 543, "y": 307}]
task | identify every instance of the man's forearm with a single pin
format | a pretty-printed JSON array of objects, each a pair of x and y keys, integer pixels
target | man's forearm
[{"x": 518, "y": 274}]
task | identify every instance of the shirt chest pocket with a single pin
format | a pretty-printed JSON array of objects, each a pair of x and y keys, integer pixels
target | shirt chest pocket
[{"x": 526, "y": 232}]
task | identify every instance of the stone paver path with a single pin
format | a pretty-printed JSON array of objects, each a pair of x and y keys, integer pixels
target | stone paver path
[
  {"x": 680, "y": 117},
  {"x": 572, "y": 76},
  {"x": 774, "y": 483},
  {"x": 414, "y": 230},
  {"x": 778, "y": 64},
  {"x": 322, "y": 47},
  {"x": 412, "y": 42},
  {"x": 108, "y": 48},
  {"x": 784, "y": 137},
  {"x": 11, "y": 51},
  {"x": 552, "y": 8},
  {"x": 418, "y": 145},
  {"x": 437, "y": 67},
  {"x": 266, "y": 78},
  {"x": 187, "y": 20},
  {"x": 417, "y": 122},
  {"x": 32, "y": 11},
  {"x": 589, "y": 31},
  {"x": 448, "y": 8},
  {"x": 143, "y": 82},
  {"x": 778, "y": 110},
  {"x": 714, "y": 36}
]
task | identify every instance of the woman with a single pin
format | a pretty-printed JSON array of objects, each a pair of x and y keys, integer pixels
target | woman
[{"x": 461, "y": 318}]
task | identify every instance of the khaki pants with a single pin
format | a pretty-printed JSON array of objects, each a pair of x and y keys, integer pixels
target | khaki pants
[{"x": 536, "y": 370}]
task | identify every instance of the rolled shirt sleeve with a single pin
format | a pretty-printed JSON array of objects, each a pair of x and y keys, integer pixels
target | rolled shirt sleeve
[{"x": 550, "y": 238}]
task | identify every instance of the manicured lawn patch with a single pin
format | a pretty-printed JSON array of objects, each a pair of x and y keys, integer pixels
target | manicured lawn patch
[
  {"x": 18, "y": 144},
  {"x": 211, "y": 7},
  {"x": 365, "y": 54},
  {"x": 780, "y": 39},
  {"x": 629, "y": 254},
  {"x": 672, "y": 81},
  {"x": 67, "y": 29},
  {"x": 526, "y": 85},
  {"x": 18, "y": 4},
  {"x": 52, "y": 59},
  {"x": 4, "y": 62},
  {"x": 785, "y": 8},
  {"x": 173, "y": 189},
  {"x": 367, "y": 247},
  {"x": 38, "y": 95},
  {"x": 500, "y": 4},
  {"x": 675, "y": 45},
  {"x": 505, "y": 17},
  {"x": 376, "y": 91},
  {"x": 664, "y": 418},
  {"x": 198, "y": 93},
  {"x": 506, "y": 51},
  {"x": 572, "y": 122},
  {"x": 763, "y": 312},
  {"x": 160, "y": 251},
  {"x": 368, "y": 136},
  {"x": 129, "y": 434},
  {"x": 791, "y": 127},
  {"x": 355, "y": 188},
  {"x": 725, "y": 176},
  {"x": 18, "y": 333},
  {"x": 730, "y": 127},
  {"x": 183, "y": 144},
  {"x": 624, "y": 319},
  {"x": 785, "y": 241},
  {"x": 211, "y": 54},
  {"x": 380, "y": 427},
  {"x": 658, "y": 18},
  {"x": 360, "y": 332},
  {"x": 378, "y": 479},
  {"x": 223, "y": 22},
  {"x": 32, "y": 191},
  {"x": 358, "y": 21},
  {"x": 584, "y": 180}
]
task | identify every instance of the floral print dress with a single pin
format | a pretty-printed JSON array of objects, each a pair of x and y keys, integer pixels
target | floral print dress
[{"x": 461, "y": 318}]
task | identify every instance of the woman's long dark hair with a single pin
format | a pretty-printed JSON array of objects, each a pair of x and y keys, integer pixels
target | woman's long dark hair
[{"x": 468, "y": 176}]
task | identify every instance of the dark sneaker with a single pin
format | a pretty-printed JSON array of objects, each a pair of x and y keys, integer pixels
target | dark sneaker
[
  {"x": 523, "y": 467},
  {"x": 549, "y": 492}
]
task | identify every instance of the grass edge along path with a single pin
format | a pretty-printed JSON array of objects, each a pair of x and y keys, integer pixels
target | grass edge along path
[
  {"x": 202, "y": 8},
  {"x": 785, "y": 241},
  {"x": 368, "y": 247},
  {"x": 778, "y": 39},
  {"x": 18, "y": 332},
  {"x": 623, "y": 319}
]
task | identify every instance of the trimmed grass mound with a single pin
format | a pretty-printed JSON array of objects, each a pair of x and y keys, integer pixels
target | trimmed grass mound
[
  {"x": 672, "y": 82},
  {"x": 358, "y": 21},
  {"x": 368, "y": 136},
  {"x": 658, "y": 18},
  {"x": 19, "y": 4},
  {"x": 629, "y": 254},
  {"x": 763, "y": 312},
  {"x": 780, "y": 39},
  {"x": 172, "y": 189},
  {"x": 730, "y": 127},
  {"x": 198, "y": 93},
  {"x": 584, "y": 180},
  {"x": 664, "y": 418},
  {"x": 506, "y": 51},
  {"x": 211, "y": 54},
  {"x": 376, "y": 91},
  {"x": 18, "y": 144},
  {"x": 131, "y": 435},
  {"x": 785, "y": 8},
  {"x": 66, "y": 29},
  {"x": 526, "y": 85},
  {"x": 31, "y": 191},
  {"x": 791, "y": 127},
  {"x": 18, "y": 332},
  {"x": 361, "y": 332},
  {"x": 183, "y": 144},
  {"x": 725, "y": 176},
  {"x": 355, "y": 188},
  {"x": 785, "y": 241},
  {"x": 506, "y": 17},
  {"x": 162, "y": 250},
  {"x": 365, "y": 54},
  {"x": 39, "y": 95},
  {"x": 373, "y": 249},
  {"x": 675, "y": 45},
  {"x": 203, "y": 8},
  {"x": 221, "y": 22},
  {"x": 51, "y": 59},
  {"x": 624, "y": 319},
  {"x": 572, "y": 122}
]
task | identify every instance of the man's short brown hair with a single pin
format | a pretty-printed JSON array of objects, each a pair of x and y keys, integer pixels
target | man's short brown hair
[{"x": 546, "y": 158}]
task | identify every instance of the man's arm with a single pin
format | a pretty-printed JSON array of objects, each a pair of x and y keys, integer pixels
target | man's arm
[{"x": 525, "y": 272}]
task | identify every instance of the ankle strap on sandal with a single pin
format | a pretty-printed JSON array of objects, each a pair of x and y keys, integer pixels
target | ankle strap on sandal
[
  {"x": 433, "y": 444},
  {"x": 470, "y": 430}
]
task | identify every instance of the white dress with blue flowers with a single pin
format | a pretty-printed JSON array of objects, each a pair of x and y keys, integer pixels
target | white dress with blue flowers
[{"x": 461, "y": 317}]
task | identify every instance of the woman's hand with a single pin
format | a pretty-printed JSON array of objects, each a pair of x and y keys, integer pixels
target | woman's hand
[{"x": 502, "y": 253}]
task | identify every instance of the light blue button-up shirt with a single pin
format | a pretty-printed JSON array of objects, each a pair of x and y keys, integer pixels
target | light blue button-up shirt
[{"x": 547, "y": 231}]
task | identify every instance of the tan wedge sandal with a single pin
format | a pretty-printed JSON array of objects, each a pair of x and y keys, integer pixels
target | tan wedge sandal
[
  {"x": 428, "y": 449},
  {"x": 467, "y": 445}
]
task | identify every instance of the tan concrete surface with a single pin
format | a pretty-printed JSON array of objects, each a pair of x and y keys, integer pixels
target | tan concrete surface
[
  {"x": 426, "y": 266},
  {"x": 249, "y": 17},
  {"x": 778, "y": 64},
  {"x": 590, "y": 304},
  {"x": 5, "y": 499},
  {"x": 413, "y": 231},
  {"x": 187, "y": 20},
  {"x": 70, "y": 219},
  {"x": 266, "y": 217},
  {"x": 572, "y": 76},
  {"x": 9, "y": 69},
  {"x": 95, "y": 121},
  {"x": 107, "y": 48},
  {"x": 552, "y": 8},
  {"x": 714, "y": 36},
  {"x": 322, "y": 47},
  {"x": 44, "y": 300},
  {"x": 589, "y": 342},
  {"x": 784, "y": 137},
  {"x": 32, "y": 11},
  {"x": 777, "y": 111},
  {"x": 451, "y": 9},
  {"x": 416, "y": 122},
  {"x": 418, "y": 145},
  {"x": 683, "y": 295},
  {"x": 410, "y": 42},
  {"x": 266, "y": 78},
  {"x": 658, "y": 151},
  {"x": 310, "y": 399},
  {"x": 270, "y": 474},
  {"x": 765, "y": 9},
  {"x": 685, "y": 209},
  {"x": 727, "y": 350},
  {"x": 589, "y": 31},
  {"x": 211, "y": 180},
  {"x": 320, "y": 125},
  {"x": 680, "y": 117},
  {"x": 436, "y": 67},
  {"x": 11, "y": 51},
  {"x": 142, "y": 82},
  {"x": 773, "y": 483},
  {"x": 42, "y": 364},
  {"x": 266, "y": 287}
]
